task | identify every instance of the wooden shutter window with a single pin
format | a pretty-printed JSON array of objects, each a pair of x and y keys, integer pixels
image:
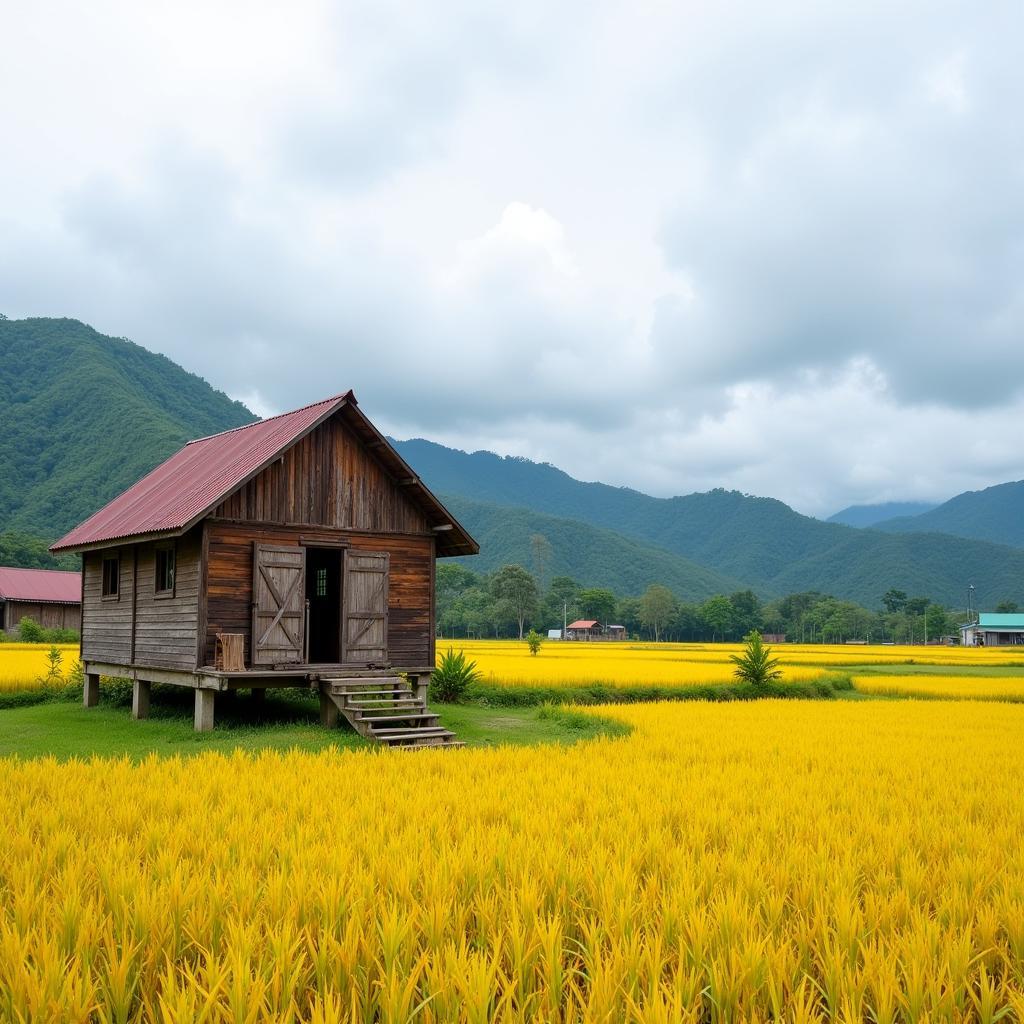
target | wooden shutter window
[
  {"x": 111, "y": 578},
  {"x": 165, "y": 569}
]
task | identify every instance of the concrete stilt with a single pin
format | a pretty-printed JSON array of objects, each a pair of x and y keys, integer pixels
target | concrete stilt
[
  {"x": 328, "y": 712},
  {"x": 141, "y": 690},
  {"x": 91, "y": 690},
  {"x": 204, "y": 710}
]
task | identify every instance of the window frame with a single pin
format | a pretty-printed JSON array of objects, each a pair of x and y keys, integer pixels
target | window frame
[
  {"x": 110, "y": 595},
  {"x": 168, "y": 549}
]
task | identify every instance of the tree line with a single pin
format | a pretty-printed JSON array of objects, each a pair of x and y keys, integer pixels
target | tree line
[{"x": 512, "y": 600}]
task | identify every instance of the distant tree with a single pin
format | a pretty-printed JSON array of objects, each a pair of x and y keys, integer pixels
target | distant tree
[
  {"x": 514, "y": 586},
  {"x": 657, "y": 608},
  {"x": 597, "y": 603},
  {"x": 561, "y": 601},
  {"x": 718, "y": 614},
  {"x": 689, "y": 623},
  {"x": 746, "y": 611},
  {"x": 894, "y": 601},
  {"x": 627, "y": 613},
  {"x": 451, "y": 583},
  {"x": 936, "y": 622},
  {"x": 1007, "y": 607},
  {"x": 540, "y": 553},
  {"x": 917, "y": 605}
]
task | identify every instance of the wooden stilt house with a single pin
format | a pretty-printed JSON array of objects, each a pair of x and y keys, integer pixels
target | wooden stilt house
[{"x": 296, "y": 551}]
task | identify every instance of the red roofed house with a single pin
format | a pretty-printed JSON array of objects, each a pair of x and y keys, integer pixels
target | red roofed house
[
  {"x": 584, "y": 629},
  {"x": 296, "y": 551},
  {"x": 51, "y": 598}
]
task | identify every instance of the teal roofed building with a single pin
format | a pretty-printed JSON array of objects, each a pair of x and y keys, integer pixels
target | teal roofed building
[{"x": 994, "y": 629}]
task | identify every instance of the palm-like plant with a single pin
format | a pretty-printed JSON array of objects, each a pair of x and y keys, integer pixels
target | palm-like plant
[
  {"x": 452, "y": 677},
  {"x": 756, "y": 664}
]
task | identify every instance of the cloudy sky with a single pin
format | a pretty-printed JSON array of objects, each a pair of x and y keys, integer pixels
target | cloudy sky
[{"x": 776, "y": 247}]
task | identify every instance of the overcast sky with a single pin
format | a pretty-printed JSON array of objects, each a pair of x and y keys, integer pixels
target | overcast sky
[{"x": 776, "y": 247}]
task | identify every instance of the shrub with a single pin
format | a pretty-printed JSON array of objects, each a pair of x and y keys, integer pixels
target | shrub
[
  {"x": 533, "y": 641},
  {"x": 452, "y": 677},
  {"x": 756, "y": 664},
  {"x": 30, "y": 632}
]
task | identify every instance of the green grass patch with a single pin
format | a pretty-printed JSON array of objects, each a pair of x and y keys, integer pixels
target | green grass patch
[
  {"x": 828, "y": 687},
  {"x": 285, "y": 720}
]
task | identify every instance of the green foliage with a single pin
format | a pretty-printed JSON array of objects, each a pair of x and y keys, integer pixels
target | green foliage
[
  {"x": 104, "y": 412},
  {"x": 597, "y": 603},
  {"x": 755, "y": 665},
  {"x": 657, "y": 607},
  {"x": 516, "y": 593},
  {"x": 28, "y": 552},
  {"x": 29, "y": 631},
  {"x": 1007, "y": 607},
  {"x": 53, "y": 676},
  {"x": 533, "y": 641},
  {"x": 452, "y": 677}
]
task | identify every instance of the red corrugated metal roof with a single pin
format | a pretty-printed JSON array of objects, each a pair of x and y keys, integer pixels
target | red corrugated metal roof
[
  {"x": 191, "y": 482},
  {"x": 47, "y": 586},
  {"x": 583, "y": 624}
]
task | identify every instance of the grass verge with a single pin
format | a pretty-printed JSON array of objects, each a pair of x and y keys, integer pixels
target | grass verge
[{"x": 829, "y": 687}]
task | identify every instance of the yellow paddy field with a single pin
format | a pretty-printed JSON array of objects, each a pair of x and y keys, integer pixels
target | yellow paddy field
[
  {"x": 985, "y": 673},
  {"x": 752, "y": 861},
  {"x": 23, "y": 665}
]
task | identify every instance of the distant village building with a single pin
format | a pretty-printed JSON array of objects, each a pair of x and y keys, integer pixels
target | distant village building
[
  {"x": 994, "y": 629},
  {"x": 584, "y": 629},
  {"x": 554, "y": 634},
  {"x": 616, "y": 632},
  {"x": 47, "y": 596},
  {"x": 773, "y": 638}
]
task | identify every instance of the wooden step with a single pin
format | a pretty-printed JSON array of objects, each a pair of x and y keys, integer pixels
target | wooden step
[
  {"x": 395, "y": 730},
  {"x": 384, "y": 702},
  {"x": 379, "y": 727},
  {"x": 416, "y": 734},
  {"x": 443, "y": 745},
  {"x": 372, "y": 693},
  {"x": 400, "y": 716}
]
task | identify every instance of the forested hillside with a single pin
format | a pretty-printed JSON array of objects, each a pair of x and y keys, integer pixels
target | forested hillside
[
  {"x": 869, "y": 515},
  {"x": 592, "y": 556},
  {"x": 84, "y": 416},
  {"x": 760, "y": 541},
  {"x": 994, "y": 514}
]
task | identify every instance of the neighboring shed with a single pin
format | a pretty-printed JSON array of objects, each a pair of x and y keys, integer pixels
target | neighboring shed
[
  {"x": 615, "y": 632},
  {"x": 994, "y": 629},
  {"x": 296, "y": 551},
  {"x": 47, "y": 596}
]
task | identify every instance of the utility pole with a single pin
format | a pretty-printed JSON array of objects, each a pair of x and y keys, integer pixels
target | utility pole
[{"x": 565, "y": 617}]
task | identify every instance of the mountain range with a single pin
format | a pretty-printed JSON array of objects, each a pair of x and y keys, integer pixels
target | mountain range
[{"x": 85, "y": 415}]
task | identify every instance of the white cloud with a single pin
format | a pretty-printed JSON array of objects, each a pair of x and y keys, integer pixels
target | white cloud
[{"x": 674, "y": 246}]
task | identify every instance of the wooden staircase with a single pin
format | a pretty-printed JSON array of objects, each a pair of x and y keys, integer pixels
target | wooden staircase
[{"x": 383, "y": 708}]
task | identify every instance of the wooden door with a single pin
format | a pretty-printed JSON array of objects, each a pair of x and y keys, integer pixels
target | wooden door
[
  {"x": 278, "y": 604},
  {"x": 364, "y": 608}
]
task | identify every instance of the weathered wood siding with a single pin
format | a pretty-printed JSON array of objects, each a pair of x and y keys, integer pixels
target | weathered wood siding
[
  {"x": 52, "y": 616},
  {"x": 329, "y": 478},
  {"x": 166, "y": 626},
  {"x": 107, "y": 624},
  {"x": 229, "y": 583}
]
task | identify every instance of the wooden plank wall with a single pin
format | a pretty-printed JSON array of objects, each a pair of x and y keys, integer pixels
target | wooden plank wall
[
  {"x": 329, "y": 478},
  {"x": 166, "y": 627},
  {"x": 52, "y": 616},
  {"x": 107, "y": 625},
  {"x": 229, "y": 588}
]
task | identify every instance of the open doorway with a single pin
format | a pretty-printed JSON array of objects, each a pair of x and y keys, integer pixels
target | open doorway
[{"x": 323, "y": 592}]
